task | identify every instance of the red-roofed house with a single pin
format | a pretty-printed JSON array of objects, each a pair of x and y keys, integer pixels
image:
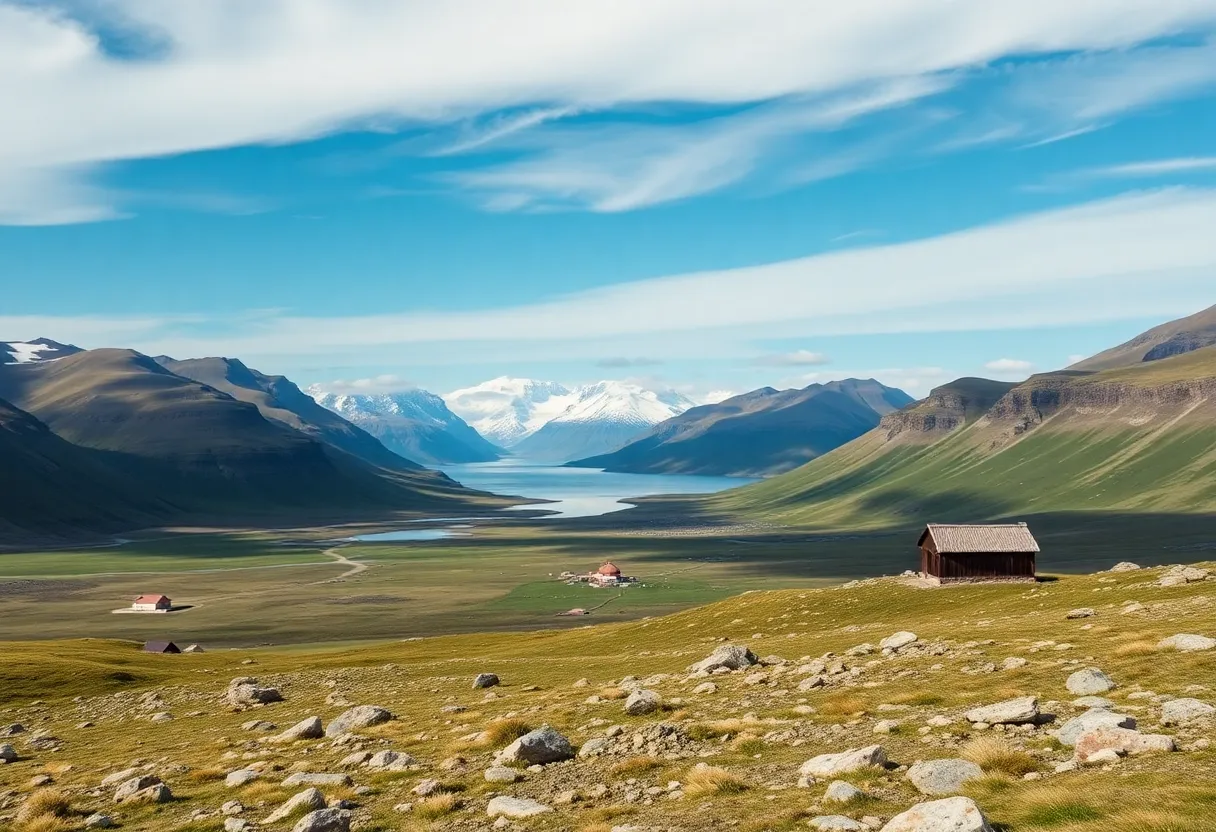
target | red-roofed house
[{"x": 152, "y": 603}]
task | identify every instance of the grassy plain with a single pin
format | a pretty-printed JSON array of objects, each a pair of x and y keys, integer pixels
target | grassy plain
[
  {"x": 1164, "y": 793},
  {"x": 250, "y": 589}
]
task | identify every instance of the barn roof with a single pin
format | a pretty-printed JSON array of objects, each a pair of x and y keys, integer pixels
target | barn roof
[
  {"x": 161, "y": 647},
  {"x": 151, "y": 599},
  {"x": 957, "y": 539}
]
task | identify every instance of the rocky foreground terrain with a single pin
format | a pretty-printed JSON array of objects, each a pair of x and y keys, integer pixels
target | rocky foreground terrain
[{"x": 1084, "y": 703}]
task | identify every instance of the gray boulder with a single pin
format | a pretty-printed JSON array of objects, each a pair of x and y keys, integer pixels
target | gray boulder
[
  {"x": 1089, "y": 681},
  {"x": 240, "y": 777},
  {"x": 305, "y": 801},
  {"x": 1010, "y": 712},
  {"x": 898, "y": 641},
  {"x": 942, "y": 777},
  {"x": 324, "y": 820},
  {"x": 391, "y": 761},
  {"x": 1186, "y": 642},
  {"x": 1091, "y": 720},
  {"x": 1122, "y": 741},
  {"x": 501, "y": 774},
  {"x": 245, "y": 690},
  {"x": 841, "y": 792},
  {"x": 1183, "y": 711},
  {"x": 539, "y": 747},
  {"x": 361, "y": 716},
  {"x": 515, "y": 807},
  {"x": 144, "y": 789},
  {"x": 305, "y": 729},
  {"x": 729, "y": 656},
  {"x": 99, "y": 821},
  {"x": 642, "y": 702},
  {"x": 831, "y": 765},
  {"x": 485, "y": 680},
  {"x": 8, "y": 754},
  {"x": 1125, "y": 566},
  {"x": 953, "y": 814}
]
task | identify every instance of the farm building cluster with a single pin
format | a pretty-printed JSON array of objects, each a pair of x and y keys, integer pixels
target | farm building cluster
[{"x": 607, "y": 576}]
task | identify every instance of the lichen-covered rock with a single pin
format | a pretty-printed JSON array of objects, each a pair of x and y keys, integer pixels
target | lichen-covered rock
[
  {"x": 953, "y": 814},
  {"x": 1183, "y": 711},
  {"x": 245, "y": 690},
  {"x": 1091, "y": 720},
  {"x": 942, "y": 777},
  {"x": 830, "y": 765},
  {"x": 642, "y": 702},
  {"x": 1089, "y": 681},
  {"x": 1010, "y": 712},
  {"x": 729, "y": 656},
  {"x": 305, "y": 801},
  {"x": 1186, "y": 642},
  {"x": 360, "y": 716},
  {"x": 515, "y": 807},
  {"x": 539, "y": 747},
  {"x": 324, "y": 820},
  {"x": 1122, "y": 740}
]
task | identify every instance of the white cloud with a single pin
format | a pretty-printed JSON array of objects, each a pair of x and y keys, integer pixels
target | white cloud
[
  {"x": 225, "y": 73},
  {"x": 1009, "y": 366},
  {"x": 1076, "y": 358},
  {"x": 363, "y": 386},
  {"x": 715, "y": 396},
  {"x": 1137, "y": 255},
  {"x": 1157, "y": 167},
  {"x": 798, "y": 358}
]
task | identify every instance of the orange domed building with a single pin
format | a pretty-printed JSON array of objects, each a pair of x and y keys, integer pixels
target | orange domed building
[{"x": 609, "y": 574}]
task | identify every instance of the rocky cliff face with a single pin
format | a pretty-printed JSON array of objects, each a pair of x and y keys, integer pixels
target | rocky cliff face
[{"x": 945, "y": 409}]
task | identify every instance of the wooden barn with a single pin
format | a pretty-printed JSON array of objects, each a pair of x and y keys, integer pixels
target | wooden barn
[
  {"x": 161, "y": 647},
  {"x": 957, "y": 554}
]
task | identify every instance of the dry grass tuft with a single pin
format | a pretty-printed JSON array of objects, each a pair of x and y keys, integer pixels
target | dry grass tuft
[
  {"x": 994, "y": 754},
  {"x": 596, "y": 827},
  {"x": 502, "y": 732},
  {"x": 436, "y": 806},
  {"x": 703, "y": 780},
  {"x": 1136, "y": 648},
  {"x": 612, "y": 693},
  {"x": 263, "y": 789},
  {"x": 843, "y": 706},
  {"x": 633, "y": 766},
  {"x": 921, "y": 698},
  {"x": 45, "y": 810},
  {"x": 207, "y": 775}
]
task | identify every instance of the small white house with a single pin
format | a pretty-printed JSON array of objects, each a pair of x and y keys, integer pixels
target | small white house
[{"x": 152, "y": 603}]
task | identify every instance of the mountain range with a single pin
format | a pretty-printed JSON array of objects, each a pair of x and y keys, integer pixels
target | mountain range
[
  {"x": 1132, "y": 429},
  {"x": 415, "y": 424},
  {"x": 546, "y": 422},
  {"x": 760, "y": 433},
  {"x": 110, "y": 439}
]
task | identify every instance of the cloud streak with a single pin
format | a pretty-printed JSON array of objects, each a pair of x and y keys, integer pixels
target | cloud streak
[{"x": 197, "y": 75}]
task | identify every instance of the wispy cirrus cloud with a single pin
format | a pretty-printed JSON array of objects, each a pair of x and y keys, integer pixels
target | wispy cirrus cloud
[
  {"x": 1009, "y": 365},
  {"x": 622, "y": 361},
  {"x": 87, "y": 84},
  {"x": 797, "y": 358}
]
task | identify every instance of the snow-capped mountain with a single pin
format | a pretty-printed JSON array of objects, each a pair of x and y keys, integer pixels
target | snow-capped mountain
[
  {"x": 545, "y": 421},
  {"x": 508, "y": 410},
  {"x": 415, "y": 424},
  {"x": 28, "y": 352}
]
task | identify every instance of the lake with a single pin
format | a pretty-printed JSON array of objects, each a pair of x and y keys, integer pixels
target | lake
[{"x": 580, "y": 492}]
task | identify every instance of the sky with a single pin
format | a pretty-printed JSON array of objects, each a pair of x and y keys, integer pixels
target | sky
[{"x": 708, "y": 196}]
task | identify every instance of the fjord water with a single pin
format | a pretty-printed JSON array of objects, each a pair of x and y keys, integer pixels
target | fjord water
[{"x": 579, "y": 492}]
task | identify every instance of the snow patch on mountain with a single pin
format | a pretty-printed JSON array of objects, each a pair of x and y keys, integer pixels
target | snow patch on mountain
[
  {"x": 412, "y": 404},
  {"x": 507, "y": 410},
  {"x": 29, "y": 352}
]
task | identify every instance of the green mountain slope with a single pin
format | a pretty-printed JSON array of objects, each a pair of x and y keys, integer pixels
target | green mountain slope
[
  {"x": 200, "y": 451},
  {"x": 760, "y": 433},
  {"x": 1138, "y": 438},
  {"x": 280, "y": 400}
]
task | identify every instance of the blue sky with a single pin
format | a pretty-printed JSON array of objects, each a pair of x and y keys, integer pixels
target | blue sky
[{"x": 712, "y": 196}]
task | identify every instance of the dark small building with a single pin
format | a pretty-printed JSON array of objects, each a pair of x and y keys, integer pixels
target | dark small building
[
  {"x": 955, "y": 554},
  {"x": 161, "y": 647}
]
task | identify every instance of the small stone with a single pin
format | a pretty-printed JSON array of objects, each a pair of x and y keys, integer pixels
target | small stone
[
  {"x": 305, "y": 801},
  {"x": 1081, "y": 612},
  {"x": 485, "y": 680},
  {"x": 361, "y": 716},
  {"x": 1091, "y": 720},
  {"x": 146, "y": 788},
  {"x": 1013, "y": 663},
  {"x": 1103, "y": 757},
  {"x": 1010, "y": 712},
  {"x": 705, "y": 687},
  {"x": 232, "y": 807},
  {"x": 542, "y": 746},
  {"x": 324, "y": 820},
  {"x": 245, "y": 690},
  {"x": 391, "y": 761},
  {"x": 1123, "y": 740},
  {"x": 501, "y": 774},
  {"x": 304, "y": 778},
  {"x": 725, "y": 656},
  {"x": 8, "y": 754},
  {"x": 305, "y": 729},
  {"x": 886, "y": 726},
  {"x": 99, "y": 821},
  {"x": 835, "y": 822},
  {"x": 1125, "y": 566}
]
